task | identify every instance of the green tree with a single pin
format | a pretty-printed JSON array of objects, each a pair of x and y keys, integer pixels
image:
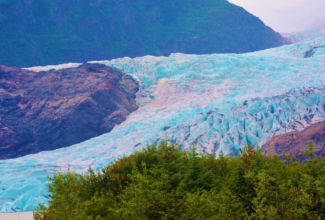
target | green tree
[{"x": 164, "y": 182}]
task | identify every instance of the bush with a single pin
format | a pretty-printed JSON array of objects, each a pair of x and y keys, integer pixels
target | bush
[{"x": 164, "y": 182}]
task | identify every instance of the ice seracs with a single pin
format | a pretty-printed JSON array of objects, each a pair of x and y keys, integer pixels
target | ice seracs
[{"x": 219, "y": 102}]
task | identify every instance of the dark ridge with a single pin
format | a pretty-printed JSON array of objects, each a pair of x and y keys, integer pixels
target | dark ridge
[{"x": 60, "y": 31}]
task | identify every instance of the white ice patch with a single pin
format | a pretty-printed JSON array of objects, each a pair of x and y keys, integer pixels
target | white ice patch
[{"x": 55, "y": 67}]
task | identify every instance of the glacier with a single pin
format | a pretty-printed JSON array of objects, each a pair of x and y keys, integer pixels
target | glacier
[{"x": 219, "y": 102}]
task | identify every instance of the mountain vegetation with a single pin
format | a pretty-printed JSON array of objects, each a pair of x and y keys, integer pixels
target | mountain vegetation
[
  {"x": 45, "y": 32},
  {"x": 164, "y": 182}
]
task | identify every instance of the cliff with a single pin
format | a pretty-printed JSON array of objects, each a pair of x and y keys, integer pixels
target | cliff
[{"x": 55, "y": 109}]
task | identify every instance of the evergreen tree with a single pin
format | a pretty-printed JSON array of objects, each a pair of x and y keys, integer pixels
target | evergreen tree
[{"x": 164, "y": 182}]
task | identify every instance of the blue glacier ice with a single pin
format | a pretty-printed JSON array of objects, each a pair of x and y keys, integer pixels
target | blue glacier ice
[
  {"x": 305, "y": 35},
  {"x": 220, "y": 102}
]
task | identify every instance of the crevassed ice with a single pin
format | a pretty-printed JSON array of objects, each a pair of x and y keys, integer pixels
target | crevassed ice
[
  {"x": 220, "y": 102},
  {"x": 304, "y": 35}
]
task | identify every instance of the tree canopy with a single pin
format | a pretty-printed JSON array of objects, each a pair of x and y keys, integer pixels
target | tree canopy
[{"x": 164, "y": 182}]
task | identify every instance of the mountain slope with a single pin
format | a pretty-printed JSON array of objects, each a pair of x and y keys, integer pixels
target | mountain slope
[
  {"x": 55, "y": 109},
  {"x": 294, "y": 143},
  {"x": 42, "y": 32}
]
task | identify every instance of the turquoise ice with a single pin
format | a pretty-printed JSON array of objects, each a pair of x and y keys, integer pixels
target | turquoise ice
[{"x": 219, "y": 102}]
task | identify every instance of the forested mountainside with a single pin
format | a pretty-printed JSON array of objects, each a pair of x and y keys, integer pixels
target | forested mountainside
[{"x": 48, "y": 32}]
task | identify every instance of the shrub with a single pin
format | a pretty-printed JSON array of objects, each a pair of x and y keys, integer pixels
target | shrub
[{"x": 164, "y": 182}]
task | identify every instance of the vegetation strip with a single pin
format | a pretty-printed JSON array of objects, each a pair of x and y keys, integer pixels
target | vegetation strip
[{"x": 164, "y": 182}]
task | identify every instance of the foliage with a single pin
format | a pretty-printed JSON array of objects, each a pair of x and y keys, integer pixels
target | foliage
[
  {"x": 164, "y": 182},
  {"x": 46, "y": 32}
]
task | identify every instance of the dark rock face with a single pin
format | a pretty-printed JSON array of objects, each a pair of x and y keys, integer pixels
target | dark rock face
[
  {"x": 55, "y": 109},
  {"x": 294, "y": 143},
  {"x": 60, "y": 31}
]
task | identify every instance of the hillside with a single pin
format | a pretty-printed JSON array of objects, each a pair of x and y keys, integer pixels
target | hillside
[
  {"x": 293, "y": 143},
  {"x": 42, "y": 32},
  {"x": 59, "y": 108}
]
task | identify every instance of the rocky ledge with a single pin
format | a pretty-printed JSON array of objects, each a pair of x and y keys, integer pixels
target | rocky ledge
[
  {"x": 294, "y": 143},
  {"x": 58, "y": 108}
]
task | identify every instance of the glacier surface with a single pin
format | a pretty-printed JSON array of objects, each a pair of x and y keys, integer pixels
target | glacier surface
[{"x": 219, "y": 102}]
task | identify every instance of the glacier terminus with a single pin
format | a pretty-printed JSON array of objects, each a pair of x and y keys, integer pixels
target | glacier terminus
[{"x": 219, "y": 102}]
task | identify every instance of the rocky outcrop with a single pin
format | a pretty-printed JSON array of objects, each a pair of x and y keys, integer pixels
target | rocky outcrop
[
  {"x": 54, "y": 109},
  {"x": 294, "y": 143}
]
